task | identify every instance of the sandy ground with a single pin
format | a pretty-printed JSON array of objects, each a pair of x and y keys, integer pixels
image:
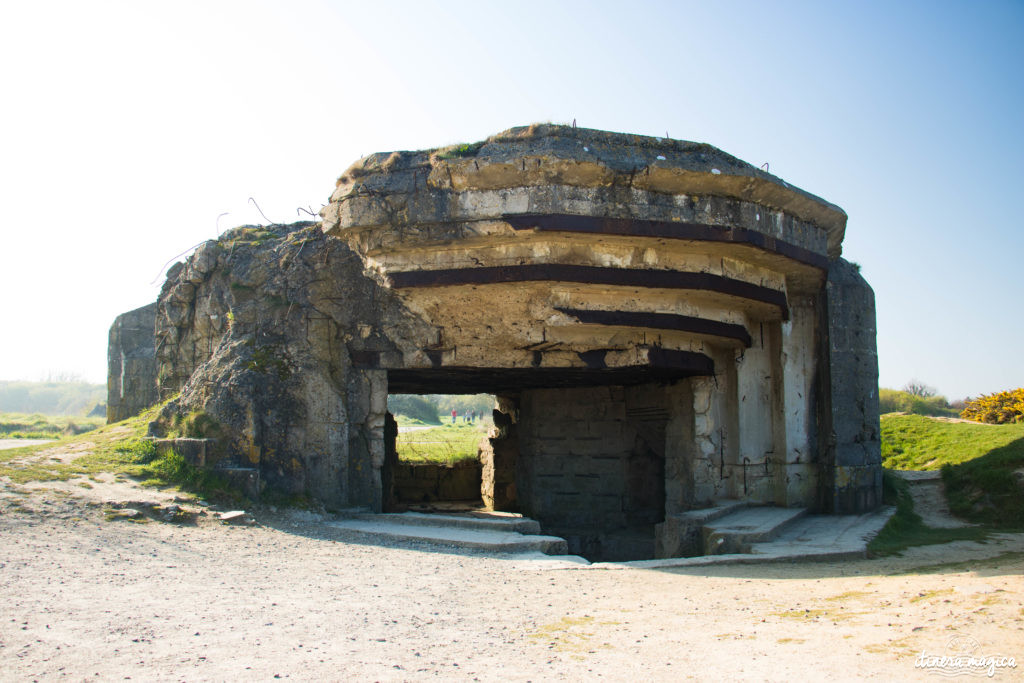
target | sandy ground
[{"x": 85, "y": 598}]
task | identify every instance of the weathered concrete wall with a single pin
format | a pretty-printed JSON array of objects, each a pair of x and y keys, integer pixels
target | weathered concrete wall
[
  {"x": 758, "y": 382},
  {"x": 853, "y": 463},
  {"x": 131, "y": 364},
  {"x": 802, "y": 366},
  {"x": 264, "y": 331},
  {"x": 716, "y": 431},
  {"x": 499, "y": 455},
  {"x": 425, "y": 482}
]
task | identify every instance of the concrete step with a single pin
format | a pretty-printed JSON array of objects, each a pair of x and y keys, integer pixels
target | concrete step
[
  {"x": 738, "y": 531},
  {"x": 378, "y": 527},
  {"x": 718, "y": 509},
  {"x": 482, "y": 521}
]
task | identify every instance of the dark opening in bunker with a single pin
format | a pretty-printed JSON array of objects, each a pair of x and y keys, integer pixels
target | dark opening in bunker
[{"x": 582, "y": 451}]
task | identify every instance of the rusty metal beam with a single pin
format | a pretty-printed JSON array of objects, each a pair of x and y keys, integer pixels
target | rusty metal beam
[
  {"x": 663, "y": 366},
  {"x": 661, "y": 321},
  {"x": 701, "y": 232}
]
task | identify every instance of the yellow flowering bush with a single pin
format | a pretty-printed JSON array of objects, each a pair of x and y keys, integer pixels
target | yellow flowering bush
[{"x": 1000, "y": 408}]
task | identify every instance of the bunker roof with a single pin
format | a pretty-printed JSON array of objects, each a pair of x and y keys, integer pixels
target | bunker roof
[{"x": 567, "y": 155}]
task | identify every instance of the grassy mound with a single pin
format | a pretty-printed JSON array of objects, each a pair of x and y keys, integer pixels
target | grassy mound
[
  {"x": 913, "y": 442},
  {"x": 989, "y": 489},
  {"x": 982, "y": 468},
  {"x": 116, "y": 449}
]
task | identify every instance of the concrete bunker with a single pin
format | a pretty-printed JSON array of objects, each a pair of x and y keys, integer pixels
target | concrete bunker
[{"x": 664, "y": 326}]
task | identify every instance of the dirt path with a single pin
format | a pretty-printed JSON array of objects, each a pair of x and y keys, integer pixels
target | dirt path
[
  {"x": 84, "y": 597},
  {"x": 929, "y": 494},
  {"x": 6, "y": 444},
  {"x": 413, "y": 428}
]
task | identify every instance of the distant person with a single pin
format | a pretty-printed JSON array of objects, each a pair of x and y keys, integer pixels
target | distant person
[{"x": 454, "y": 415}]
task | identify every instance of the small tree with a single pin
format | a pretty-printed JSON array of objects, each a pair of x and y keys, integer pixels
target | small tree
[{"x": 916, "y": 387}]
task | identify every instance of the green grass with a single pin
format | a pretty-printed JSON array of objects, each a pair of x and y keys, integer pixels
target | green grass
[
  {"x": 169, "y": 469},
  {"x": 978, "y": 464},
  {"x": 460, "y": 151},
  {"x": 914, "y": 442},
  {"x": 39, "y": 426},
  {"x": 406, "y": 421},
  {"x": 905, "y": 528},
  {"x": 117, "y": 449},
  {"x": 448, "y": 443},
  {"x": 987, "y": 489}
]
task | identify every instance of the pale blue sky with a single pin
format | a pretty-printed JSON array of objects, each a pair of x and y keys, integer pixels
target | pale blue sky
[{"x": 129, "y": 127}]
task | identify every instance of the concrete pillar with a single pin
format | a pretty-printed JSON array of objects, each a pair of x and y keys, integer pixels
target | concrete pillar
[
  {"x": 368, "y": 404},
  {"x": 798, "y": 469},
  {"x": 854, "y": 459},
  {"x": 756, "y": 382}
]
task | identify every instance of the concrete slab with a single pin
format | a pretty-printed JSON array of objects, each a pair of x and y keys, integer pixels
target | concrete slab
[
  {"x": 718, "y": 509},
  {"x": 738, "y": 531},
  {"x": 478, "y": 539},
  {"x": 484, "y": 521},
  {"x": 804, "y": 539},
  {"x": 812, "y": 538}
]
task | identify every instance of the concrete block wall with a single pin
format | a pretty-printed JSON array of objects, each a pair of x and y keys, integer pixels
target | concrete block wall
[
  {"x": 584, "y": 464},
  {"x": 680, "y": 448},
  {"x": 427, "y": 482}
]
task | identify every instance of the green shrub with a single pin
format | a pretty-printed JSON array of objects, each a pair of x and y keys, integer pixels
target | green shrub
[
  {"x": 196, "y": 425},
  {"x": 1000, "y": 408},
  {"x": 415, "y": 407},
  {"x": 459, "y": 151},
  {"x": 171, "y": 469},
  {"x": 896, "y": 401}
]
